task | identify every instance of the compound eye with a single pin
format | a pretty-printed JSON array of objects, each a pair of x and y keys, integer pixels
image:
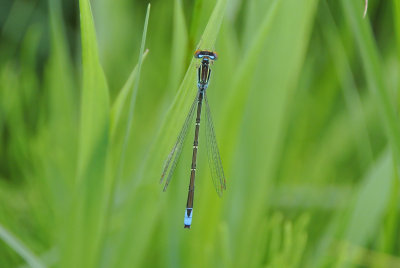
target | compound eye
[
  {"x": 197, "y": 54},
  {"x": 215, "y": 56}
]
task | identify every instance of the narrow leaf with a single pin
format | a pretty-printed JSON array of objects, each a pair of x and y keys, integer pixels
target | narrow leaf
[{"x": 16, "y": 244}]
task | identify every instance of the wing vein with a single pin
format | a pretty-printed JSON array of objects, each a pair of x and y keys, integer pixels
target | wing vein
[
  {"x": 213, "y": 155},
  {"x": 173, "y": 157}
]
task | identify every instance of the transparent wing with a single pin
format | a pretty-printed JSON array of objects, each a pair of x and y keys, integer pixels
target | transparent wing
[
  {"x": 173, "y": 157},
  {"x": 214, "y": 159}
]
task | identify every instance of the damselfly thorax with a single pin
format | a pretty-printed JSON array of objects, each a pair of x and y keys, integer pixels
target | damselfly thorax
[{"x": 204, "y": 70}]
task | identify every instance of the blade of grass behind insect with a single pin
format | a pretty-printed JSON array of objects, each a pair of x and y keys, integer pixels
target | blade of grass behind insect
[
  {"x": 230, "y": 121},
  {"x": 255, "y": 16},
  {"x": 144, "y": 219},
  {"x": 211, "y": 31},
  {"x": 231, "y": 115},
  {"x": 84, "y": 230},
  {"x": 195, "y": 22},
  {"x": 373, "y": 71},
  {"x": 168, "y": 131},
  {"x": 16, "y": 244}
]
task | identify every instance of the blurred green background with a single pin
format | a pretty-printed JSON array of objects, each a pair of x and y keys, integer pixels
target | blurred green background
[{"x": 304, "y": 97}]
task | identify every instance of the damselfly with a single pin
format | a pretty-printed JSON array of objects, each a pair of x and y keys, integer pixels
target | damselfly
[{"x": 214, "y": 159}]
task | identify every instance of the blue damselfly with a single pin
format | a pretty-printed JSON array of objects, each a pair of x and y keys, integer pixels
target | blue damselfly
[{"x": 214, "y": 159}]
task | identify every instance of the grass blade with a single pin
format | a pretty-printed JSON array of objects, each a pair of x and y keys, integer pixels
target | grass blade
[
  {"x": 152, "y": 164},
  {"x": 371, "y": 202},
  {"x": 84, "y": 232},
  {"x": 20, "y": 248},
  {"x": 179, "y": 46},
  {"x": 266, "y": 88},
  {"x": 373, "y": 71},
  {"x": 120, "y": 103},
  {"x": 95, "y": 98},
  {"x": 136, "y": 86},
  {"x": 187, "y": 90}
]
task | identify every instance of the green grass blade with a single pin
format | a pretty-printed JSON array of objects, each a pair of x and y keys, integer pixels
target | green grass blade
[
  {"x": 358, "y": 223},
  {"x": 373, "y": 70},
  {"x": 152, "y": 164},
  {"x": 84, "y": 232},
  {"x": 120, "y": 103},
  {"x": 370, "y": 205},
  {"x": 342, "y": 67},
  {"x": 179, "y": 46},
  {"x": 95, "y": 98},
  {"x": 184, "y": 97},
  {"x": 132, "y": 102},
  {"x": 25, "y": 253},
  {"x": 211, "y": 31},
  {"x": 63, "y": 110},
  {"x": 195, "y": 21},
  {"x": 240, "y": 89},
  {"x": 136, "y": 81},
  {"x": 371, "y": 202},
  {"x": 265, "y": 89}
]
